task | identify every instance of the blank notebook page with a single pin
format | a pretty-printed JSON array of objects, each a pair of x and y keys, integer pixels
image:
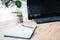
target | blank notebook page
[{"x": 20, "y": 32}]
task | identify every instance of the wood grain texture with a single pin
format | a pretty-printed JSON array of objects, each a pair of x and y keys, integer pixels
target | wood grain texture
[{"x": 45, "y": 31}]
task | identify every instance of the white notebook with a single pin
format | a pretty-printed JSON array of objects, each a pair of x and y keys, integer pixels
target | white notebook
[{"x": 21, "y": 31}]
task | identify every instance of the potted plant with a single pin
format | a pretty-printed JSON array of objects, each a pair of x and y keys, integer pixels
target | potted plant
[{"x": 11, "y": 3}]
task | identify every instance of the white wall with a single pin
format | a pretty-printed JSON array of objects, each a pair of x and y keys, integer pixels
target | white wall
[{"x": 5, "y": 13}]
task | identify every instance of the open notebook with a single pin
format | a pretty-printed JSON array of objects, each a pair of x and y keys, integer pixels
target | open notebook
[{"x": 21, "y": 31}]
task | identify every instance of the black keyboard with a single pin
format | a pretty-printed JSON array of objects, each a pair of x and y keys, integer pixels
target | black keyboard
[{"x": 47, "y": 19}]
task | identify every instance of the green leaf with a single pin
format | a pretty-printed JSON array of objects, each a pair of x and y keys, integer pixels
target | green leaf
[
  {"x": 18, "y": 4},
  {"x": 6, "y": 3}
]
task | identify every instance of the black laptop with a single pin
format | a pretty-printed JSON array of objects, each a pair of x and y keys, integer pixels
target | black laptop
[{"x": 43, "y": 11}]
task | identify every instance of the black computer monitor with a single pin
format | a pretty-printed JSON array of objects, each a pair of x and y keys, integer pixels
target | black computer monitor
[{"x": 43, "y": 8}]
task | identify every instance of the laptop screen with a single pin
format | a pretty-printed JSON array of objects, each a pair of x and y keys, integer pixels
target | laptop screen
[{"x": 43, "y": 8}]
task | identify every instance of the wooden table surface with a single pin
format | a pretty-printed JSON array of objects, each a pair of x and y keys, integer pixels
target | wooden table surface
[{"x": 44, "y": 31}]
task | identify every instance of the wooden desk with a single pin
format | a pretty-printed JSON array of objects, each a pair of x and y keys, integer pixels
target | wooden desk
[{"x": 45, "y": 31}]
